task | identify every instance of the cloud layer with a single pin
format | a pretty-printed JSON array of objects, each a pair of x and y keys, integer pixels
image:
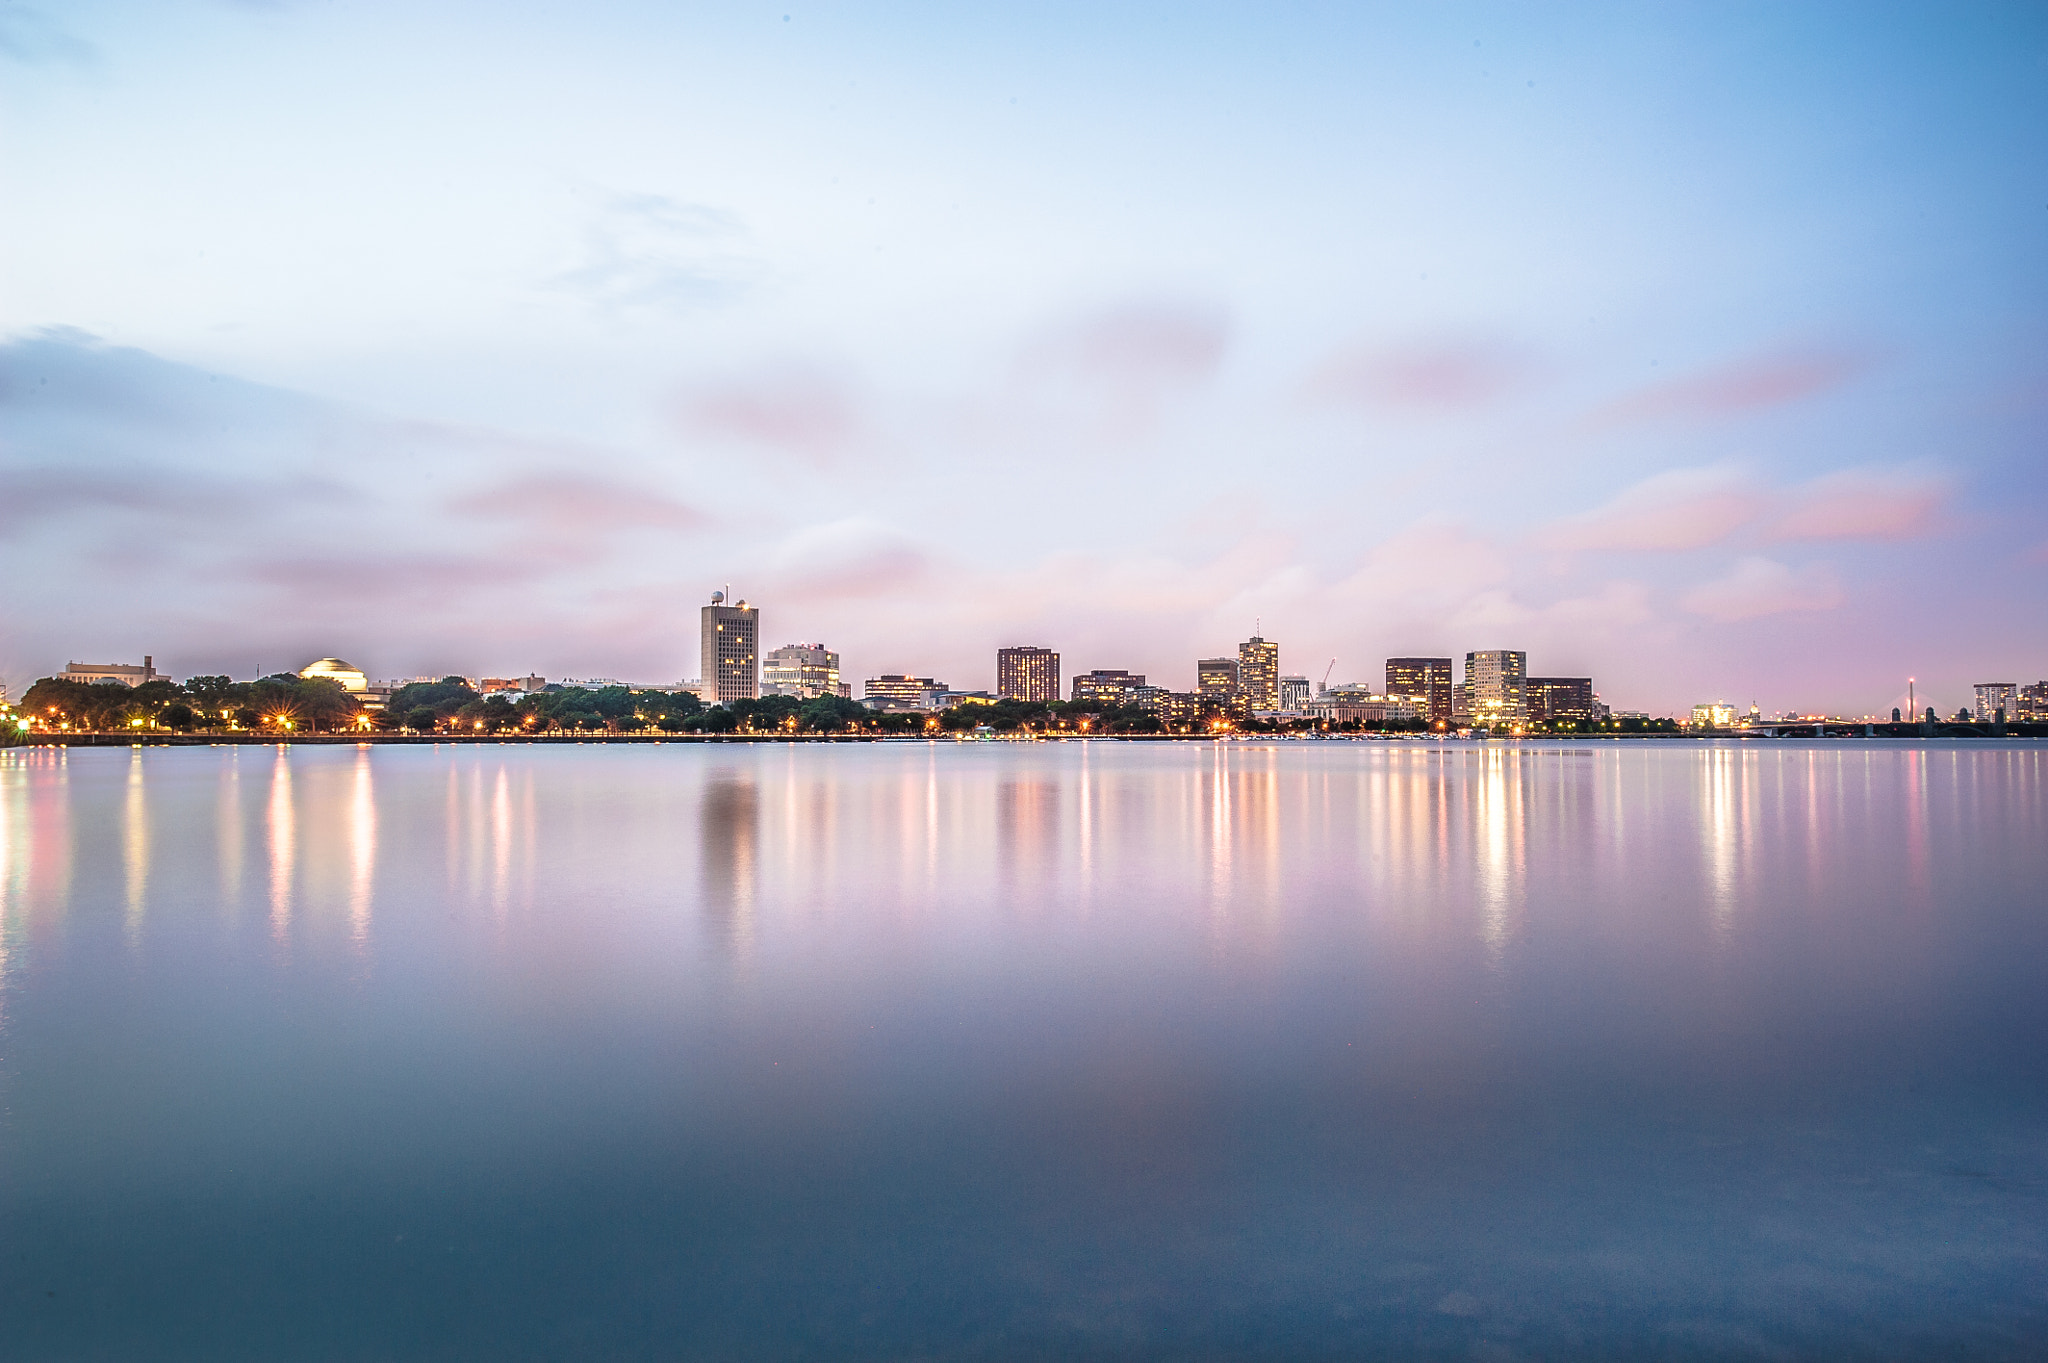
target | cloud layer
[
  {"x": 414, "y": 546},
  {"x": 1695, "y": 508}
]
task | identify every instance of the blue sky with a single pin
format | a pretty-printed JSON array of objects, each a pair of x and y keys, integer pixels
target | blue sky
[{"x": 1703, "y": 349}]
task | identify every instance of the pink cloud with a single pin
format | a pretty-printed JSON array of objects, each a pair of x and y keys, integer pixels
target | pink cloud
[
  {"x": 1861, "y": 504},
  {"x": 849, "y": 558},
  {"x": 1443, "y": 378},
  {"x": 567, "y": 504},
  {"x": 1682, "y": 509},
  {"x": 1430, "y": 564},
  {"x": 1749, "y": 385},
  {"x": 1617, "y": 605},
  {"x": 1117, "y": 370},
  {"x": 794, "y": 410},
  {"x": 1760, "y": 586},
  {"x": 1148, "y": 344}
]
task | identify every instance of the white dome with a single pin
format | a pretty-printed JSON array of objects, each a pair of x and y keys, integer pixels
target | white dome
[{"x": 334, "y": 669}]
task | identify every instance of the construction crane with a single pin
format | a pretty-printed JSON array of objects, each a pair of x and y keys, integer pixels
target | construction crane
[{"x": 1325, "y": 684}]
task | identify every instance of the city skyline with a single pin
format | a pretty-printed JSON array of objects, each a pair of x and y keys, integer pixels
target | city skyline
[
  {"x": 1497, "y": 678},
  {"x": 953, "y": 329}
]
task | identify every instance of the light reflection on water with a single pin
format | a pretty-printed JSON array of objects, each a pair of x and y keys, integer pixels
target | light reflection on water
[
  {"x": 283, "y": 841},
  {"x": 948, "y": 1050}
]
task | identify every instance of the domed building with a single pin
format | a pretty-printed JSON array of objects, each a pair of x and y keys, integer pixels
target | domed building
[{"x": 334, "y": 669}]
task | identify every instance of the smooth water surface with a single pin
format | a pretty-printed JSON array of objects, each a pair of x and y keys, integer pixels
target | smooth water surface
[{"x": 1083, "y": 1050}]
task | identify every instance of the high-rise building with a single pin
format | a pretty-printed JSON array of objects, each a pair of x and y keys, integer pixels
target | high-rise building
[
  {"x": 2033, "y": 701},
  {"x": 729, "y": 644},
  {"x": 1108, "y": 686},
  {"x": 1555, "y": 700},
  {"x": 1179, "y": 711},
  {"x": 1293, "y": 694},
  {"x": 1996, "y": 697},
  {"x": 1428, "y": 680},
  {"x": 1216, "y": 679},
  {"x": 1495, "y": 685},
  {"x": 1258, "y": 673},
  {"x": 805, "y": 670},
  {"x": 1028, "y": 674}
]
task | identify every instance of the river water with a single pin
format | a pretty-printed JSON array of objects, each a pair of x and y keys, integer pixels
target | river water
[{"x": 995, "y": 1051}]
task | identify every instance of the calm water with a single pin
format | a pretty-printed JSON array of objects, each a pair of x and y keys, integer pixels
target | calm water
[{"x": 1024, "y": 1051}]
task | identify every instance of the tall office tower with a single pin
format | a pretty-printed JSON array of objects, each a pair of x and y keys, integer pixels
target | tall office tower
[
  {"x": 2034, "y": 701},
  {"x": 805, "y": 670},
  {"x": 1993, "y": 697},
  {"x": 1293, "y": 694},
  {"x": 1258, "y": 673},
  {"x": 1426, "y": 679},
  {"x": 729, "y": 645},
  {"x": 1496, "y": 681},
  {"x": 1560, "y": 699},
  {"x": 1108, "y": 686},
  {"x": 1028, "y": 674},
  {"x": 1216, "y": 679}
]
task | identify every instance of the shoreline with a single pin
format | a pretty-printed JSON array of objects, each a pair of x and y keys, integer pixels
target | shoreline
[{"x": 119, "y": 740}]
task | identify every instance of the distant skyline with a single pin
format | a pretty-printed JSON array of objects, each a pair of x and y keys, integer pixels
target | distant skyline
[{"x": 1699, "y": 349}]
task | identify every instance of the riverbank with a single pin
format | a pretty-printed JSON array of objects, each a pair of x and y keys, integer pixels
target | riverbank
[{"x": 1834, "y": 734}]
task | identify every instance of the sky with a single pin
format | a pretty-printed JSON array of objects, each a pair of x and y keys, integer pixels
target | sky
[{"x": 1702, "y": 349}]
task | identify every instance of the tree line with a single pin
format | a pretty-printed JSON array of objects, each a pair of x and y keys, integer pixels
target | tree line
[{"x": 287, "y": 703}]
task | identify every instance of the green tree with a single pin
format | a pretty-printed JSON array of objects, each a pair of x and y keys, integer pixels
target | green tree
[{"x": 830, "y": 714}]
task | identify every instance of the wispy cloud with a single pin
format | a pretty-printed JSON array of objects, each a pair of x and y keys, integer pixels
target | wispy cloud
[
  {"x": 1867, "y": 504},
  {"x": 1682, "y": 509},
  {"x": 792, "y": 409},
  {"x": 855, "y": 557},
  {"x": 35, "y": 496},
  {"x": 1747, "y": 385},
  {"x": 1424, "y": 378},
  {"x": 651, "y": 251},
  {"x": 1118, "y": 368},
  {"x": 1696, "y": 508},
  {"x": 569, "y": 504},
  {"x": 1760, "y": 586}
]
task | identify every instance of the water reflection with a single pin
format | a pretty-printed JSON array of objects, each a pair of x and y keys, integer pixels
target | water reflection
[
  {"x": 227, "y": 824},
  {"x": 1501, "y": 833},
  {"x": 281, "y": 824},
  {"x": 14, "y": 862},
  {"x": 729, "y": 834},
  {"x": 135, "y": 841},
  {"x": 1218, "y": 833},
  {"x": 1718, "y": 830},
  {"x": 1028, "y": 834},
  {"x": 362, "y": 846},
  {"x": 1347, "y": 1018},
  {"x": 501, "y": 842}
]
